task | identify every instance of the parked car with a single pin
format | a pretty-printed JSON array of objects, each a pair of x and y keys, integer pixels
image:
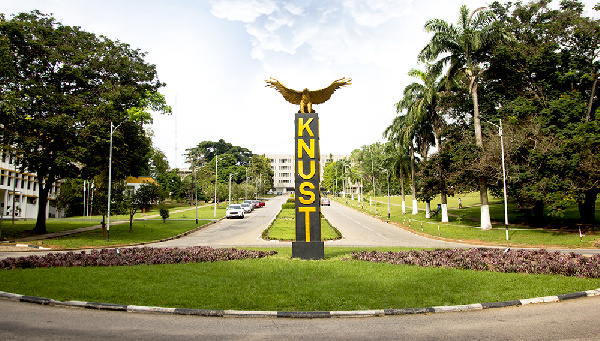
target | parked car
[
  {"x": 247, "y": 207},
  {"x": 235, "y": 211},
  {"x": 258, "y": 203},
  {"x": 249, "y": 202},
  {"x": 325, "y": 202}
]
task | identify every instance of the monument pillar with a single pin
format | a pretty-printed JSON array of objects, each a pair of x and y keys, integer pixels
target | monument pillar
[{"x": 308, "y": 244}]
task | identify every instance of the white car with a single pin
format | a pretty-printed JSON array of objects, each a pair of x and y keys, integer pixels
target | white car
[
  {"x": 247, "y": 207},
  {"x": 235, "y": 211}
]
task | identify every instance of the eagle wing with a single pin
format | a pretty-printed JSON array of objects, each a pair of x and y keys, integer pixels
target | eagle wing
[
  {"x": 290, "y": 95},
  {"x": 320, "y": 96}
]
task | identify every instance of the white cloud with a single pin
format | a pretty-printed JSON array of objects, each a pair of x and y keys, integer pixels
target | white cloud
[
  {"x": 242, "y": 10},
  {"x": 331, "y": 31}
]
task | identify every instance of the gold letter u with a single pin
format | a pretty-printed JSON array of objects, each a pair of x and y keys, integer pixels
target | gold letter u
[{"x": 301, "y": 170}]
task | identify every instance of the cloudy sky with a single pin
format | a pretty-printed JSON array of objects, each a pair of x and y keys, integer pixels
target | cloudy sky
[{"x": 214, "y": 56}]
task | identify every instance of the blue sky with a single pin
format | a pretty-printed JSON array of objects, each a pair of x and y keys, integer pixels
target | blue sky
[{"x": 214, "y": 56}]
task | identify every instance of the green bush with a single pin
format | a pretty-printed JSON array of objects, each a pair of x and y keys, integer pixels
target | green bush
[
  {"x": 291, "y": 200},
  {"x": 164, "y": 213},
  {"x": 288, "y": 205}
]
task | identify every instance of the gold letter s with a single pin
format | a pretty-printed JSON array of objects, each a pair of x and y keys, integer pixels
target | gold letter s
[{"x": 305, "y": 192}]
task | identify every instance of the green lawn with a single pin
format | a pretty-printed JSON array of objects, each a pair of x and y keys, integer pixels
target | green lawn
[
  {"x": 21, "y": 228},
  {"x": 284, "y": 284},
  {"x": 463, "y": 223},
  {"x": 144, "y": 231},
  {"x": 284, "y": 228}
]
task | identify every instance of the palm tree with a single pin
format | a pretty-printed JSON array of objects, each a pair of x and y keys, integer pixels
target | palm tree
[
  {"x": 431, "y": 88},
  {"x": 399, "y": 163},
  {"x": 463, "y": 49},
  {"x": 412, "y": 130}
]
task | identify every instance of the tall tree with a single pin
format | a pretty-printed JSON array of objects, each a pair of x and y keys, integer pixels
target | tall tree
[
  {"x": 205, "y": 151},
  {"x": 60, "y": 88},
  {"x": 401, "y": 132},
  {"x": 400, "y": 166},
  {"x": 464, "y": 49},
  {"x": 545, "y": 83},
  {"x": 423, "y": 110}
]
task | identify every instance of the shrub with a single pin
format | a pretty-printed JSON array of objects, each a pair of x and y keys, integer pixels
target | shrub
[
  {"x": 288, "y": 206},
  {"x": 132, "y": 256},
  {"x": 164, "y": 213},
  {"x": 291, "y": 200},
  {"x": 481, "y": 259}
]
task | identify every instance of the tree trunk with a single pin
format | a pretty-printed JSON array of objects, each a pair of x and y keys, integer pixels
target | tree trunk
[
  {"x": 402, "y": 191},
  {"x": 40, "y": 224},
  {"x": 427, "y": 209},
  {"x": 587, "y": 208},
  {"x": 538, "y": 212},
  {"x": 413, "y": 185},
  {"x": 104, "y": 226},
  {"x": 589, "y": 110},
  {"x": 442, "y": 180},
  {"x": 486, "y": 222},
  {"x": 131, "y": 223}
]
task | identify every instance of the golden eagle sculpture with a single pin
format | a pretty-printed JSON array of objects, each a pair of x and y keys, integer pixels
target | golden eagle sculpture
[{"x": 307, "y": 98}]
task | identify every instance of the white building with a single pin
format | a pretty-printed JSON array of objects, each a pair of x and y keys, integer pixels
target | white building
[
  {"x": 23, "y": 188},
  {"x": 284, "y": 170}
]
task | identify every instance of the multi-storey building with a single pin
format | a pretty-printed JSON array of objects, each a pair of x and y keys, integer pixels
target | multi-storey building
[
  {"x": 283, "y": 169},
  {"x": 22, "y": 189}
]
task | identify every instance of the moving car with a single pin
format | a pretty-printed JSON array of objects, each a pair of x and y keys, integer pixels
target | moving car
[
  {"x": 235, "y": 211},
  {"x": 325, "y": 202},
  {"x": 247, "y": 207}
]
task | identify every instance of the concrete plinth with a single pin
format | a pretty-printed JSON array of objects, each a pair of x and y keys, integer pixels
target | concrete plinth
[{"x": 308, "y": 250}]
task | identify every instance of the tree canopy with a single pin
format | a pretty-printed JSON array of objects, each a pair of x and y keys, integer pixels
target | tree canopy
[
  {"x": 535, "y": 68},
  {"x": 60, "y": 89}
]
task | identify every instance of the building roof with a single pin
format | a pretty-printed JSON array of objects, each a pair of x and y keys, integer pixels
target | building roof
[{"x": 140, "y": 180}]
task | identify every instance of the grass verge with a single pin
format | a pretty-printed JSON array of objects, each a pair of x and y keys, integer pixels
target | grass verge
[
  {"x": 460, "y": 228},
  {"x": 284, "y": 228},
  {"x": 284, "y": 284}
]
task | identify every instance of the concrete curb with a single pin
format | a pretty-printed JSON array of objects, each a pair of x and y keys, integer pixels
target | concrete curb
[{"x": 294, "y": 314}]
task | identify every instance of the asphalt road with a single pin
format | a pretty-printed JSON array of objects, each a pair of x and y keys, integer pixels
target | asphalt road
[
  {"x": 569, "y": 320},
  {"x": 572, "y": 320}
]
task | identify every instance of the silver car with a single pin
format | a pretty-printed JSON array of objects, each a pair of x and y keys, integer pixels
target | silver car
[{"x": 247, "y": 207}]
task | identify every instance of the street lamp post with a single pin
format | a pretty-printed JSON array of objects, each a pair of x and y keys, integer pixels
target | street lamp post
[
  {"x": 388, "y": 180},
  {"x": 335, "y": 185},
  {"x": 230, "y": 175},
  {"x": 216, "y": 181},
  {"x": 196, "y": 192},
  {"x": 246, "y": 185},
  {"x": 373, "y": 171},
  {"x": 112, "y": 130},
  {"x": 503, "y": 175}
]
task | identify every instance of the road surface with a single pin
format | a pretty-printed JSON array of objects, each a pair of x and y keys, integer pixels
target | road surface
[{"x": 573, "y": 319}]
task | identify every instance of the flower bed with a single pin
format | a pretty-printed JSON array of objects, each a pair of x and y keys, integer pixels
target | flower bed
[
  {"x": 481, "y": 259},
  {"x": 132, "y": 256}
]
